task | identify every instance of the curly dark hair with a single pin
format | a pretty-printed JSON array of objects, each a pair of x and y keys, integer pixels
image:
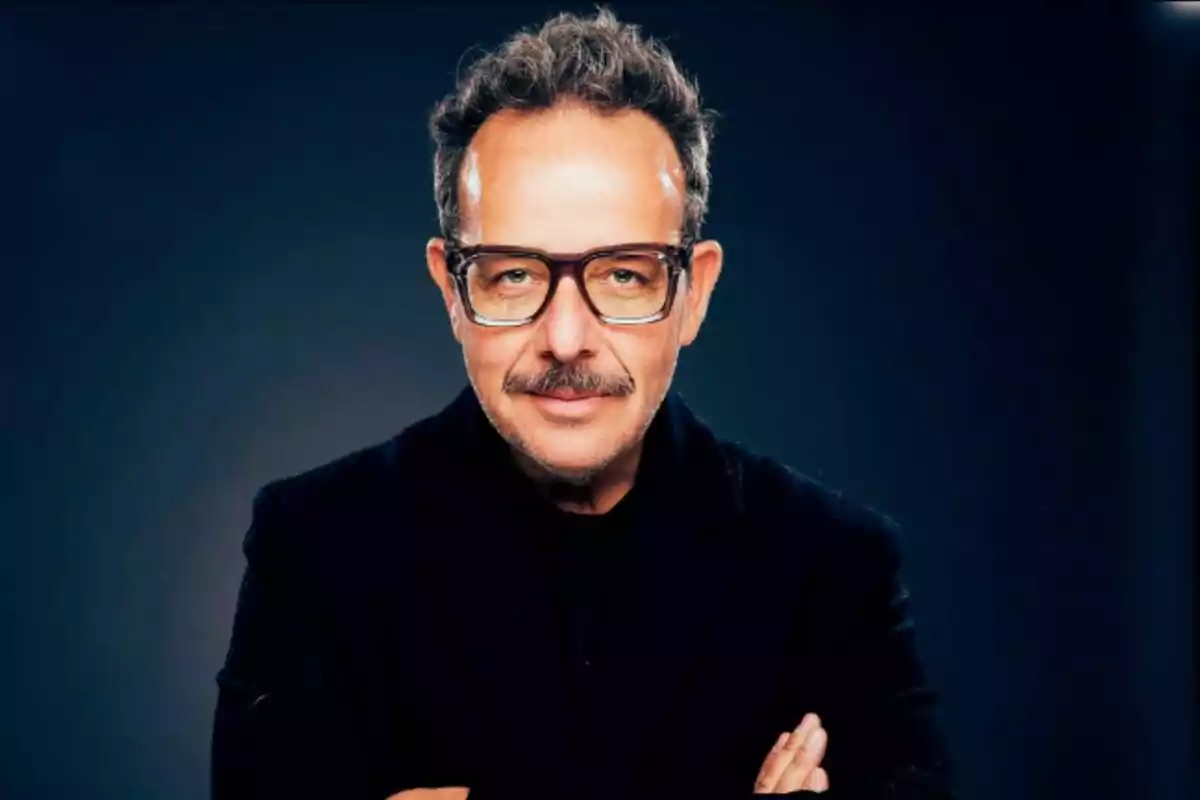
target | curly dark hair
[{"x": 600, "y": 61}]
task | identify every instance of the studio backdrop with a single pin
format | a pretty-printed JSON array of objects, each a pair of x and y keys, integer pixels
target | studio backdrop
[{"x": 957, "y": 287}]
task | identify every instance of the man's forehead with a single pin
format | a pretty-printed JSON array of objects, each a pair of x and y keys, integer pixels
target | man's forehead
[
  {"x": 512, "y": 143},
  {"x": 569, "y": 174}
]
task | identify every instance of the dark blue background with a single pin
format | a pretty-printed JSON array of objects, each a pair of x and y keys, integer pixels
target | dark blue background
[{"x": 958, "y": 286}]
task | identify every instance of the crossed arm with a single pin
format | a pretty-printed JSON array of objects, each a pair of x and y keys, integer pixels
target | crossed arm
[
  {"x": 793, "y": 764},
  {"x": 287, "y": 724},
  {"x": 874, "y": 736}
]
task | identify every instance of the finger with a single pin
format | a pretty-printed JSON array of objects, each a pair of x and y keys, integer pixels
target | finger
[
  {"x": 779, "y": 743},
  {"x": 807, "y": 758},
  {"x": 777, "y": 761},
  {"x": 807, "y": 725},
  {"x": 782, "y": 754},
  {"x": 818, "y": 780},
  {"x": 761, "y": 781}
]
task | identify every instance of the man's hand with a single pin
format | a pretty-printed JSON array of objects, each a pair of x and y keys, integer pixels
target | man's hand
[
  {"x": 448, "y": 793},
  {"x": 794, "y": 762}
]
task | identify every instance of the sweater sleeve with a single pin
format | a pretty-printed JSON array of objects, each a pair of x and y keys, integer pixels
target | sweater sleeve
[
  {"x": 288, "y": 721},
  {"x": 876, "y": 703}
]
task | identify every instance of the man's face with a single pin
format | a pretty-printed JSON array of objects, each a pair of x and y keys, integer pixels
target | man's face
[{"x": 566, "y": 180}]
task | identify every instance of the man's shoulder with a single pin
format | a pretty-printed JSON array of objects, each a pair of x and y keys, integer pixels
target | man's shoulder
[
  {"x": 786, "y": 503},
  {"x": 357, "y": 483}
]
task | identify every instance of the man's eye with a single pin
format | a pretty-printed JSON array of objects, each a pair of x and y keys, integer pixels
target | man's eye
[
  {"x": 513, "y": 276},
  {"x": 625, "y": 276}
]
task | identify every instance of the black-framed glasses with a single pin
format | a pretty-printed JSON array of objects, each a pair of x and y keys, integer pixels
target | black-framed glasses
[{"x": 625, "y": 284}]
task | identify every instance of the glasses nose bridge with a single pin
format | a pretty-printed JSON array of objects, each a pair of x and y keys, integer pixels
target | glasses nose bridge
[
  {"x": 561, "y": 268},
  {"x": 568, "y": 267}
]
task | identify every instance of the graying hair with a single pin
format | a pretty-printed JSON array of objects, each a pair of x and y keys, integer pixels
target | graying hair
[{"x": 603, "y": 62}]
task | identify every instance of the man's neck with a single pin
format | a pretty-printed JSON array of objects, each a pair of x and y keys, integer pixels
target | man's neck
[{"x": 598, "y": 495}]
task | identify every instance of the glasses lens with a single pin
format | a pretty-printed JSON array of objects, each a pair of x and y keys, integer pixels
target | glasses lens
[
  {"x": 628, "y": 285},
  {"x": 507, "y": 288}
]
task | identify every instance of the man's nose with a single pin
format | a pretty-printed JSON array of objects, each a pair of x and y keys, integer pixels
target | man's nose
[{"x": 568, "y": 322}]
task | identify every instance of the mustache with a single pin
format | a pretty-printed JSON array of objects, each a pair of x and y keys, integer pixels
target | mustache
[{"x": 569, "y": 376}]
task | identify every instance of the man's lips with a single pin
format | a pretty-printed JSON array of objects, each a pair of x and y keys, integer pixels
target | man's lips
[{"x": 567, "y": 394}]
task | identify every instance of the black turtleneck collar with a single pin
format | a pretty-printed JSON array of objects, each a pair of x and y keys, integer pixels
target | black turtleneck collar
[{"x": 682, "y": 468}]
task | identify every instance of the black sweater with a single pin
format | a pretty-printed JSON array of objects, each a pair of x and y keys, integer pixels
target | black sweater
[
  {"x": 583, "y": 555},
  {"x": 398, "y": 626}
]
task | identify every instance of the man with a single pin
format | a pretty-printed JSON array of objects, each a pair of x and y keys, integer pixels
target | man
[{"x": 564, "y": 585}]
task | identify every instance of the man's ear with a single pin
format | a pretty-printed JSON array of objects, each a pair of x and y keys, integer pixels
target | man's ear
[
  {"x": 435, "y": 261},
  {"x": 707, "y": 258}
]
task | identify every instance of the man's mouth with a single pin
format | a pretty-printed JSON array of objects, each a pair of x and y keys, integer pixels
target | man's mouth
[{"x": 568, "y": 394}]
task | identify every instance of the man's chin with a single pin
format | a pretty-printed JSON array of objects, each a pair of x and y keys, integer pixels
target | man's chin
[
  {"x": 572, "y": 453},
  {"x": 569, "y": 467}
]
